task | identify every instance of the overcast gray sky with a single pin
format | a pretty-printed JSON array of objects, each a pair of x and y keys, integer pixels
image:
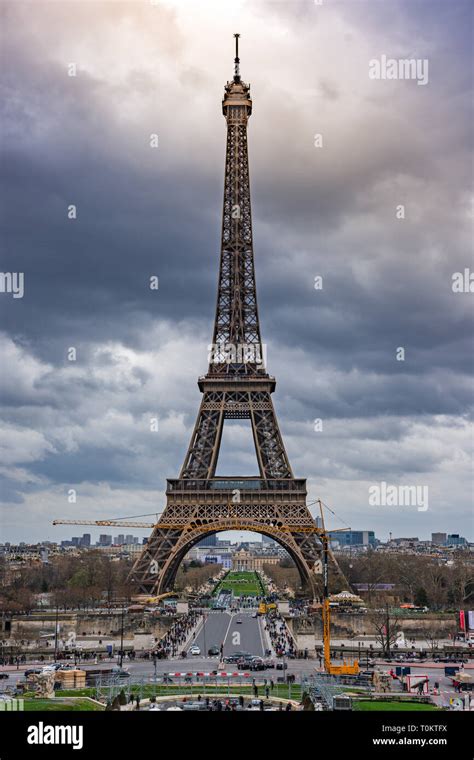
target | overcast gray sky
[{"x": 146, "y": 68}]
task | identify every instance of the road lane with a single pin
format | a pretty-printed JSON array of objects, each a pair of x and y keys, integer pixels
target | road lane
[
  {"x": 213, "y": 632},
  {"x": 222, "y": 628},
  {"x": 244, "y": 636}
]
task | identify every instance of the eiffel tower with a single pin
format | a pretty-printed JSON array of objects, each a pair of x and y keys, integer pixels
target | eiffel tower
[{"x": 236, "y": 386}]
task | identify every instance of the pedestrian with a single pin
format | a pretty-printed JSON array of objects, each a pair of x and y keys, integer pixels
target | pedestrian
[
  {"x": 288, "y": 707},
  {"x": 267, "y": 692},
  {"x": 272, "y": 685}
]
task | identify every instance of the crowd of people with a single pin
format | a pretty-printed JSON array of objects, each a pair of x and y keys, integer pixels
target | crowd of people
[
  {"x": 230, "y": 704},
  {"x": 280, "y": 637},
  {"x": 177, "y": 635}
]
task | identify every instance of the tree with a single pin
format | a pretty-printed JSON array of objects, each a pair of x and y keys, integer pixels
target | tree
[
  {"x": 420, "y": 598},
  {"x": 386, "y": 628}
]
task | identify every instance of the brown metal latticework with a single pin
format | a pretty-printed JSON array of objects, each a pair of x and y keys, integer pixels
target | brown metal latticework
[{"x": 236, "y": 386}]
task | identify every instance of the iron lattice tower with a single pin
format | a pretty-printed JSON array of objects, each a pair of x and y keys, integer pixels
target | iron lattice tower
[{"x": 236, "y": 386}]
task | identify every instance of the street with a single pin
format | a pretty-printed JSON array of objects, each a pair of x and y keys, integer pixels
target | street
[{"x": 222, "y": 628}]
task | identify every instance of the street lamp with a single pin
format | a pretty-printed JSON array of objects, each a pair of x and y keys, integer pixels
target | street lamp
[
  {"x": 121, "y": 638},
  {"x": 56, "y": 625}
]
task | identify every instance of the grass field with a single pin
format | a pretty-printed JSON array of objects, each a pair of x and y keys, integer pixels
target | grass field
[
  {"x": 60, "y": 705},
  {"x": 162, "y": 690},
  {"x": 242, "y": 584},
  {"x": 391, "y": 706}
]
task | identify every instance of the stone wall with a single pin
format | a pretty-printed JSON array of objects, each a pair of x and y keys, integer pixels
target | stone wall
[
  {"x": 345, "y": 625},
  {"x": 93, "y": 625}
]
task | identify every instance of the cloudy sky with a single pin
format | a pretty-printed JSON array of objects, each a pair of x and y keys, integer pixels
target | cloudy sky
[{"x": 145, "y": 68}]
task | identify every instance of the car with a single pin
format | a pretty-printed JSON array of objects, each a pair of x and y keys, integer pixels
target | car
[
  {"x": 120, "y": 672},
  {"x": 244, "y": 663},
  {"x": 212, "y": 651},
  {"x": 32, "y": 671},
  {"x": 257, "y": 663},
  {"x": 3, "y": 675},
  {"x": 238, "y": 622},
  {"x": 269, "y": 663},
  {"x": 236, "y": 656},
  {"x": 194, "y": 650},
  {"x": 193, "y": 706}
]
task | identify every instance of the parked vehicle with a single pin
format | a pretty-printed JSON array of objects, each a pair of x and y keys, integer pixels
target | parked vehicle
[
  {"x": 236, "y": 656},
  {"x": 31, "y": 671},
  {"x": 257, "y": 663}
]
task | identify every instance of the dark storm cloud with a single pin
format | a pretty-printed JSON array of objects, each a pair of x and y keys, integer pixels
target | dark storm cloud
[{"x": 143, "y": 212}]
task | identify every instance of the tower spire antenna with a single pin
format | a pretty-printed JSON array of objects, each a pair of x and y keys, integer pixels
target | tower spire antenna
[{"x": 236, "y": 59}]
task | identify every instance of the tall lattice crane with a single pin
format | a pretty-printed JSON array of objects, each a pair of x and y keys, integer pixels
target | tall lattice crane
[{"x": 348, "y": 668}]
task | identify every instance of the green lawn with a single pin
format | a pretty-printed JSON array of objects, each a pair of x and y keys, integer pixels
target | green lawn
[
  {"x": 56, "y": 705},
  {"x": 392, "y": 706},
  {"x": 242, "y": 584},
  {"x": 161, "y": 690}
]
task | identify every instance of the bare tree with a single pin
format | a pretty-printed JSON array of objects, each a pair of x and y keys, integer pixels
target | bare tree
[{"x": 386, "y": 627}]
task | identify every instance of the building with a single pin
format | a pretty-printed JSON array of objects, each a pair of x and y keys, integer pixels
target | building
[
  {"x": 105, "y": 540},
  {"x": 454, "y": 539},
  {"x": 219, "y": 559},
  {"x": 405, "y": 542},
  {"x": 209, "y": 540},
  {"x": 439, "y": 539},
  {"x": 354, "y": 538},
  {"x": 86, "y": 539},
  {"x": 120, "y": 539},
  {"x": 244, "y": 560},
  {"x": 269, "y": 542}
]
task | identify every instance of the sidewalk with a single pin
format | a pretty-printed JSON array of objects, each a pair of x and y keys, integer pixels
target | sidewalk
[{"x": 192, "y": 635}]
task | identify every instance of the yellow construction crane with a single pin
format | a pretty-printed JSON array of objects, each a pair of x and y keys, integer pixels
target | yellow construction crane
[
  {"x": 144, "y": 599},
  {"x": 105, "y": 523},
  {"x": 347, "y": 668}
]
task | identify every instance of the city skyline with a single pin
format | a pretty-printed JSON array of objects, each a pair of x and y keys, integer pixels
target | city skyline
[{"x": 353, "y": 416}]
